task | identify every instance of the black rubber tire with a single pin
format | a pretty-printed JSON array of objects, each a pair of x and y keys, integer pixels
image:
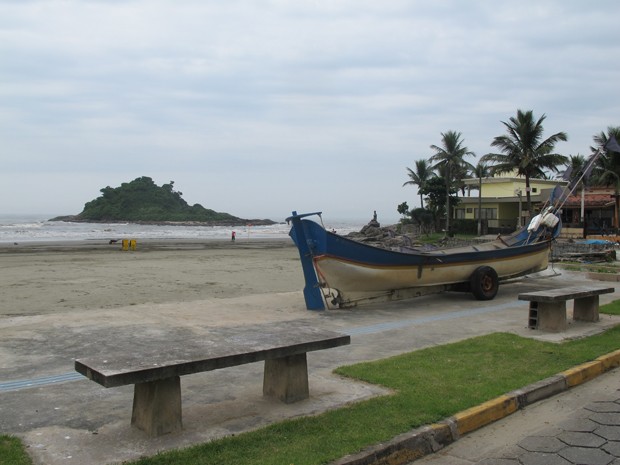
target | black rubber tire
[{"x": 484, "y": 283}]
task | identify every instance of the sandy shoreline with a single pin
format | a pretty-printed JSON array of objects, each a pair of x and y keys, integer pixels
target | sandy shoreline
[
  {"x": 50, "y": 277},
  {"x": 142, "y": 244}
]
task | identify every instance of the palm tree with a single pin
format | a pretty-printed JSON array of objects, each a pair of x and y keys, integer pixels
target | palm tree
[
  {"x": 418, "y": 178},
  {"x": 607, "y": 168},
  {"x": 601, "y": 139},
  {"x": 449, "y": 159},
  {"x": 481, "y": 170},
  {"x": 525, "y": 151},
  {"x": 462, "y": 172}
]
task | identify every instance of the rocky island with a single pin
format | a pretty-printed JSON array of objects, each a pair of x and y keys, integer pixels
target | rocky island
[{"x": 143, "y": 201}]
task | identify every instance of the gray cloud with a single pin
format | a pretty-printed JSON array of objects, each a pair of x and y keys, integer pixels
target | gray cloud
[{"x": 258, "y": 108}]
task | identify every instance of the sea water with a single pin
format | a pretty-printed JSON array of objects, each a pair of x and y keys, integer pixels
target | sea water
[{"x": 33, "y": 228}]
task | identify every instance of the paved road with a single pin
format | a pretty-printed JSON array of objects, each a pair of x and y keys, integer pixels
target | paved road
[{"x": 579, "y": 426}]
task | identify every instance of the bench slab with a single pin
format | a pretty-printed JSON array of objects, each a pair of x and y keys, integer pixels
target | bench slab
[
  {"x": 220, "y": 349},
  {"x": 548, "y": 307},
  {"x": 566, "y": 293},
  {"x": 156, "y": 372}
]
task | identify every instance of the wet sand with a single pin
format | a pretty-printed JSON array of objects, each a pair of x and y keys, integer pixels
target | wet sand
[{"x": 47, "y": 278}]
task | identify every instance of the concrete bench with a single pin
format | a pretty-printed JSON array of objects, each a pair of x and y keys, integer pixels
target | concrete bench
[
  {"x": 156, "y": 375},
  {"x": 548, "y": 308}
]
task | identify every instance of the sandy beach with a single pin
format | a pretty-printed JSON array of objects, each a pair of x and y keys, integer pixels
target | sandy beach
[{"x": 47, "y": 278}]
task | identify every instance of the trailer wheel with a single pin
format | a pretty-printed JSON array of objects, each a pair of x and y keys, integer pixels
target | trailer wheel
[{"x": 484, "y": 283}]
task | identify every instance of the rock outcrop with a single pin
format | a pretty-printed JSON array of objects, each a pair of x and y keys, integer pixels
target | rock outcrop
[{"x": 384, "y": 237}]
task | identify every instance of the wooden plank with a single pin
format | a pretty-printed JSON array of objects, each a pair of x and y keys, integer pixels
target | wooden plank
[
  {"x": 567, "y": 293},
  {"x": 223, "y": 347}
]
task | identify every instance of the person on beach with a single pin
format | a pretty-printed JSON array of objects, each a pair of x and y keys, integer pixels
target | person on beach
[{"x": 233, "y": 236}]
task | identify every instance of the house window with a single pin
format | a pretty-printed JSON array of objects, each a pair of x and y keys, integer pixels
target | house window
[
  {"x": 486, "y": 213},
  {"x": 534, "y": 190},
  {"x": 460, "y": 213},
  {"x": 470, "y": 210}
]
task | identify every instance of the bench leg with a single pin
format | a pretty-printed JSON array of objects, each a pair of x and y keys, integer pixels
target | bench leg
[
  {"x": 286, "y": 378},
  {"x": 586, "y": 309},
  {"x": 157, "y": 406},
  {"x": 552, "y": 316}
]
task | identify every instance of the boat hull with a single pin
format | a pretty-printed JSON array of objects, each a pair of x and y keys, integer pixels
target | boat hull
[
  {"x": 346, "y": 275},
  {"x": 341, "y": 271}
]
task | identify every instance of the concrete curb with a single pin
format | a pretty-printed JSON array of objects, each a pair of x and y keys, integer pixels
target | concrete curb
[{"x": 429, "y": 439}]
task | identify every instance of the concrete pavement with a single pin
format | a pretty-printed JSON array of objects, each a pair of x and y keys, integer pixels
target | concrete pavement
[{"x": 64, "y": 418}]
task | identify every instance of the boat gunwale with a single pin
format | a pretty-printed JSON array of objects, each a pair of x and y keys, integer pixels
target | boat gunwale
[
  {"x": 482, "y": 260},
  {"x": 449, "y": 256}
]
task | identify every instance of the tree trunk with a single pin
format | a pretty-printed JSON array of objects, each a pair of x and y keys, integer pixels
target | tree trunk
[
  {"x": 583, "y": 204},
  {"x": 528, "y": 198},
  {"x": 447, "y": 207},
  {"x": 480, "y": 207},
  {"x": 617, "y": 207}
]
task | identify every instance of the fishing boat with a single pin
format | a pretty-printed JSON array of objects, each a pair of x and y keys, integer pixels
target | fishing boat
[{"x": 340, "y": 272}]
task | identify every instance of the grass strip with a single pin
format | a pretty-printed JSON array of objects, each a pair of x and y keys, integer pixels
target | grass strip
[
  {"x": 612, "y": 308},
  {"x": 12, "y": 451},
  {"x": 429, "y": 384}
]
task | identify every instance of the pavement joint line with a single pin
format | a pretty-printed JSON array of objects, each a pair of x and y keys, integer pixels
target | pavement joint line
[
  {"x": 38, "y": 382},
  {"x": 362, "y": 330}
]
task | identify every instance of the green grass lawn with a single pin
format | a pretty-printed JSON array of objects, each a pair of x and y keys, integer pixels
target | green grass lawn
[
  {"x": 429, "y": 385},
  {"x": 611, "y": 309},
  {"x": 12, "y": 452}
]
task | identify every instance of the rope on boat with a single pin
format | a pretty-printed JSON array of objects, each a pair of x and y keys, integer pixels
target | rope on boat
[{"x": 325, "y": 287}]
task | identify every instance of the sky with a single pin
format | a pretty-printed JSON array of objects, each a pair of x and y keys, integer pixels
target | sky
[{"x": 258, "y": 108}]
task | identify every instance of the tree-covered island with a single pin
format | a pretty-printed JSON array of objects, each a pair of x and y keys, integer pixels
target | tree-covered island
[{"x": 143, "y": 201}]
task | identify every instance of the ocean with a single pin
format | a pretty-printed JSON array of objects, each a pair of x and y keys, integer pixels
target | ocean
[{"x": 38, "y": 228}]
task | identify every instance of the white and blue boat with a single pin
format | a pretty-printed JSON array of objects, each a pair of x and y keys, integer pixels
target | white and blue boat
[{"x": 340, "y": 272}]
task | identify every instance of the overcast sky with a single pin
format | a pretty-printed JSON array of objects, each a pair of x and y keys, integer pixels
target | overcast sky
[{"x": 258, "y": 108}]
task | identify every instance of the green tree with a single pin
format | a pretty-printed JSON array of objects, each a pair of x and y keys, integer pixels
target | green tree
[
  {"x": 449, "y": 159},
  {"x": 607, "y": 168},
  {"x": 403, "y": 209},
  {"x": 436, "y": 197},
  {"x": 423, "y": 218},
  {"x": 524, "y": 150},
  {"x": 418, "y": 177}
]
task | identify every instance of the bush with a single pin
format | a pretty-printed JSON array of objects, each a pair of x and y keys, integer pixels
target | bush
[{"x": 462, "y": 226}]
